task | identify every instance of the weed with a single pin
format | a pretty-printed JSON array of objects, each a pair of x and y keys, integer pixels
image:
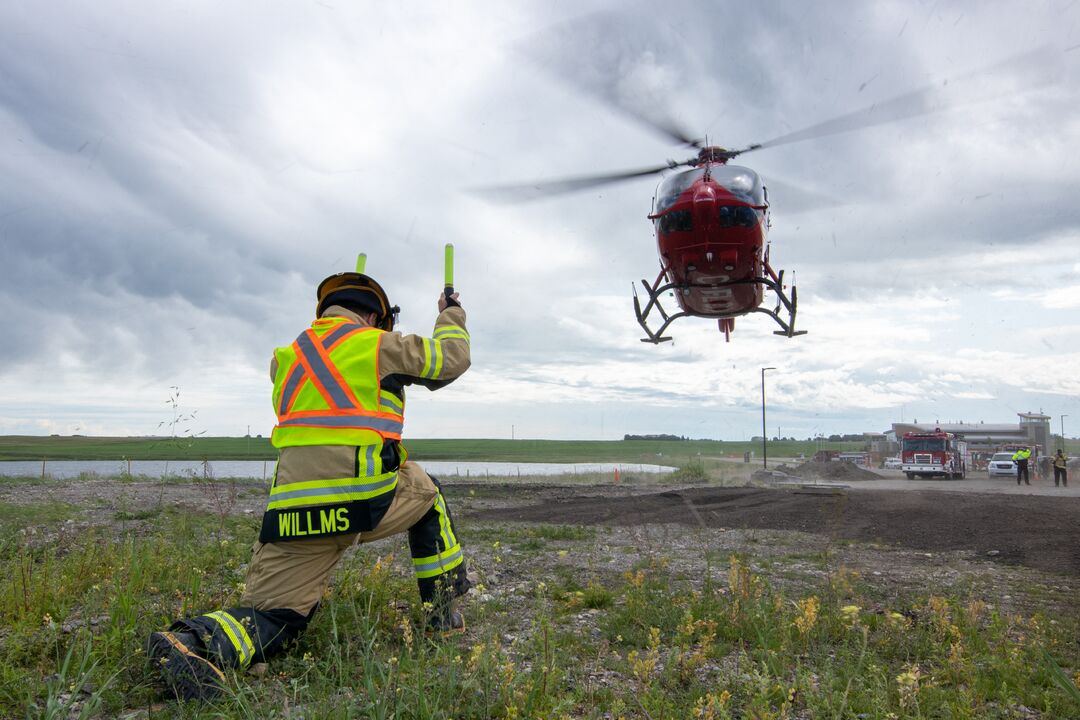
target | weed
[
  {"x": 693, "y": 470},
  {"x": 554, "y": 639}
]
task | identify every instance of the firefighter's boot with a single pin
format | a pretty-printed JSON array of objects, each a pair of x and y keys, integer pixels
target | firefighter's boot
[
  {"x": 445, "y": 619},
  {"x": 188, "y": 674}
]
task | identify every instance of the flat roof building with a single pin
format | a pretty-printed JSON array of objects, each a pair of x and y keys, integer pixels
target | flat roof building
[{"x": 1032, "y": 429}]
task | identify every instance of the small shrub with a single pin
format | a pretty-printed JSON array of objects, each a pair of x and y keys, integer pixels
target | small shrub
[{"x": 693, "y": 470}]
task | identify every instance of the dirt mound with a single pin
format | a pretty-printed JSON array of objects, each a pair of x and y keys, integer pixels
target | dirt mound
[
  {"x": 832, "y": 470},
  {"x": 1037, "y": 531}
]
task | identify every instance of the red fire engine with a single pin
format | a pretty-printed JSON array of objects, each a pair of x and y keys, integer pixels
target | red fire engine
[{"x": 930, "y": 454}]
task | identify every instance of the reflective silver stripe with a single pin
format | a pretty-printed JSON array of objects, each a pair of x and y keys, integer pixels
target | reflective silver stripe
[
  {"x": 358, "y": 488},
  {"x": 441, "y": 562},
  {"x": 450, "y": 331},
  {"x": 237, "y": 634},
  {"x": 332, "y": 337},
  {"x": 431, "y": 355},
  {"x": 369, "y": 458},
  {"x": 291, "y": 384},
  {"x": 322, "y": 373},
  {"x": 444, "y": 522},
  {"x": 387, "y": 399},
  {"x": 426, "y": 372},
  {"x": 353, "y": 421}
]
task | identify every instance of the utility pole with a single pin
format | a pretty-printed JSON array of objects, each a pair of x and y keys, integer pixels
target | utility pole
[
  {"x": 1063, "y": 431},
  {"x": 764, "y": 433}
]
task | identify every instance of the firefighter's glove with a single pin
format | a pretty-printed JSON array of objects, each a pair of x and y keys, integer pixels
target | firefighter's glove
[{"x": 448, "y": 301}]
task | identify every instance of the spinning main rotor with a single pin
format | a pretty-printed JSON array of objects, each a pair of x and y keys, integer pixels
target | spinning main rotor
[{"x": 927, "y": 100}]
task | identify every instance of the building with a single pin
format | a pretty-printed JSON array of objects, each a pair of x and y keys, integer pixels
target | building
[{"x": 1033, "y": 429}]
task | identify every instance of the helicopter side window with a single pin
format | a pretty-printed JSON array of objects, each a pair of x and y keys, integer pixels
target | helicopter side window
[
  {"x": 677, "y": 221},
  {"x": 737, "y": 216}
]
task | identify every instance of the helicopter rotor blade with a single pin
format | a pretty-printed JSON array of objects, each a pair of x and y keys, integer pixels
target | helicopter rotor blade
[
  {"x": 927, "y": 100},
  {"x": 608, "y": 76},
  {"x": 548, "y": 188},
  {"x": 664, "y": 125},
  {"x": 796, "y": 199}
]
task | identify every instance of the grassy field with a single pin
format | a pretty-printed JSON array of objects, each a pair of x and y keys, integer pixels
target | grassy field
[
  {"x": 579, "y": 622},
  {"x": 226, "y": 448}
]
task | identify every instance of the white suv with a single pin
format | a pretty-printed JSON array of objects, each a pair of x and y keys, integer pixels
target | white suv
[{"x": 1001, "y": 464}]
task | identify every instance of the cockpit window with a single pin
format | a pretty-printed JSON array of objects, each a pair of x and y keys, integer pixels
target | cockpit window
[
  {"x": 673, "y": 186},
  {"x": 737, "y": 216},
  {"x": 742, "y": 182},
  {"x": 676, "y": 221}
]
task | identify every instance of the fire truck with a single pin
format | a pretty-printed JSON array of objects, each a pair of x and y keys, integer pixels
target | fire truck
[{"x": 933, "y": 454}]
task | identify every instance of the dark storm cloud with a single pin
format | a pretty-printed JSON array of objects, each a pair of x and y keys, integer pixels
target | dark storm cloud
[
  {"x": 110, "y": 195},
  {"x": 174, "y": 180}
]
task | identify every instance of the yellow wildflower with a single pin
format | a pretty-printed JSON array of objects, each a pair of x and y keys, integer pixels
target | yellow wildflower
[
  {"x": 907, "y": 684},
  {"x": 851, "y": 614},
  {"x": 808, "y": 614}
]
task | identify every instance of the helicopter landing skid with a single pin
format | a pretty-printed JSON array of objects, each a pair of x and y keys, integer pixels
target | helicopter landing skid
[{"x": 772, "y": 281}]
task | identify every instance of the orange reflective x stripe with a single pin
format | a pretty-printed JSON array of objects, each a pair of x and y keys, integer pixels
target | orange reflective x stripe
[
  {"x": 323, "y": 374},
  {"x": 333, "y": 338},
  {"x": 324, "y": 382},
  {"x": 344, "y": 410}
]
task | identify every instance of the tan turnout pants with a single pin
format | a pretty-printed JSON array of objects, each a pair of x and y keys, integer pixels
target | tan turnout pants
[{"x": 295, "y": 574}]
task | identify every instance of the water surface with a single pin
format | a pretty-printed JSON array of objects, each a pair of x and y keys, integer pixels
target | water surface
[{"x": 264, "y": 469}]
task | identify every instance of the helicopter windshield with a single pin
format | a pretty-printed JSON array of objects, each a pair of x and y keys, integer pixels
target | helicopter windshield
[
  {"x": 742, "y": 182},
  {"x": 673, "y": 186}
]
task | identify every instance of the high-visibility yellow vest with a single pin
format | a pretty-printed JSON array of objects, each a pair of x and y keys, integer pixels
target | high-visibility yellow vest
[{"x": 326, "y": 392}]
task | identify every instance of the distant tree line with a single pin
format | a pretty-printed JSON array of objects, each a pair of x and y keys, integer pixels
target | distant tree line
[{"x": 847, "y": 437}]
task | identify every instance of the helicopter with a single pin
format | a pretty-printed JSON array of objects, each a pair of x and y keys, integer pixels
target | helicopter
[
  {"x": 711, "y": 219},
  {"x": 711, "y": 223}
]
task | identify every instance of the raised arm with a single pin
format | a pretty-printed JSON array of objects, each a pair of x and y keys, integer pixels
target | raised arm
[{"x": 433, "y": 362}]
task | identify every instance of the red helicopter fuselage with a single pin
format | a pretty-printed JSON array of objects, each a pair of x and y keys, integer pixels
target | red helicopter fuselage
[{"x": 711, "y": 223}]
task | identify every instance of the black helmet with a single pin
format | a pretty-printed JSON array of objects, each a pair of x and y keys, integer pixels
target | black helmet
[{"x": 357, "y": 291}]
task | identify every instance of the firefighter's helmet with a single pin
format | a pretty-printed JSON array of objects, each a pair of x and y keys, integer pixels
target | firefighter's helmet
[{"x": 357, "y": 291}]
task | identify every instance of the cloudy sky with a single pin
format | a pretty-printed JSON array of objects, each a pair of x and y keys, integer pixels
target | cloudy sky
[{"x": 176, "y": 178}]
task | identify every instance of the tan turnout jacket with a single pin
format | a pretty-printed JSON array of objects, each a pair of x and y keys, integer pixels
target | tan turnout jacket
[
  {"x": 404, "y": 354},
  {"x": 401, "y": 358}
]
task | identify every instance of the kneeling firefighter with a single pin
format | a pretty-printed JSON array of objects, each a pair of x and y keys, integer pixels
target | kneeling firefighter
[{"x": 342, "y": 477}]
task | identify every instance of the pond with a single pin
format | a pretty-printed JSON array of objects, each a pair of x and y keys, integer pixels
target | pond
[{"x": 264, "y": 469}]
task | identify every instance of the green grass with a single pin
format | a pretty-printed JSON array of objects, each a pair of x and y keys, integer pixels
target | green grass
[
  {"x": 695, "y": 452},
  {"x": 14, "y": 518},
  {"x": 552, "y": 639}
]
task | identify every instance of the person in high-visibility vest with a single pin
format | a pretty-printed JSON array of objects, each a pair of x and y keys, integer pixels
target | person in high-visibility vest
[
  {"x": 342, "y": 477},
  {"x": 1061, "y": 468},
  {"x": 1020, "y": 457}
]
